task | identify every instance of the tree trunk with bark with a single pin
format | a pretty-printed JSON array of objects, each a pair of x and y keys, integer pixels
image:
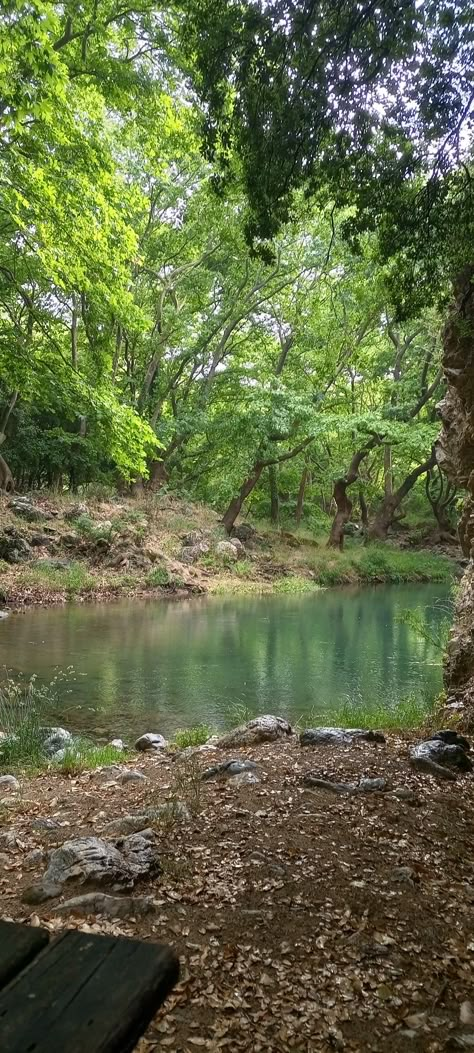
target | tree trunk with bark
[
  {"x": 385, "y": 515},
  {"x": 274, "y": 498},
  {"x": 233, "y": 510},
  {"x": 301, "y": 495},
  {"x": 456, "y": 457},
  {"x": 341, "y": 498}
]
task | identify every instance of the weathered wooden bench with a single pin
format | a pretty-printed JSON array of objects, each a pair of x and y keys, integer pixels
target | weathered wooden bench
[{"x": 78, "y": 993}]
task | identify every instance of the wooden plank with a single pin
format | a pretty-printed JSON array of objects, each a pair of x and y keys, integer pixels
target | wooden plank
[
  {"x": 86, "y": 993},
  {"x": 19, "y": 944}
]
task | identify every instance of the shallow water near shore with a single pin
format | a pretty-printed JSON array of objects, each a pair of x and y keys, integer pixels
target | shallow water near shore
[{"x": 156, "y": 666}]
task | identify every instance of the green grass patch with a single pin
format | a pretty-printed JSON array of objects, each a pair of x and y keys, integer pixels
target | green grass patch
[
  {"x": 83, "y": 755},
  {"x": 158, "y": 576},
  {"x": 72, "y": 580},
  {"x": 380, "y": 563},
  {"x": 196, "y": 736},
  {"x": 294, "y": 585},
  {"x": 411, "y": 712}
]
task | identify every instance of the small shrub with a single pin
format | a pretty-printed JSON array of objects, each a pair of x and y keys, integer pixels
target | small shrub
[
  {"x": 294, "y": 585},
  {"x": 89, "y": 528},
  {"x": 4, "y": 566},
  {"x": 211, "y": 561},
  {"x": 158, "y": 576},
  {"x": 195, "y": 736},
  {"x": 188, "y": 784},
  {"x": 243, "y": 568}
]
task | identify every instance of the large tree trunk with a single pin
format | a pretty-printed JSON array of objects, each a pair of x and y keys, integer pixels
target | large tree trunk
[
  {"x": 456, "y": 455},
  {"x": 231, "y": 513},
  {"x": 385, "y": 515}
]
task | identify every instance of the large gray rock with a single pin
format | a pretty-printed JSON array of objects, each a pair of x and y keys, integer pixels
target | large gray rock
[
  {"x": 93, "y": 861},
  {"x": 151, "y": 741},
  {"x": 8, "y": 782},
  {"x": 25, "y": 507},
  {"x": 14, "y": 548},
  {"x": 338, "y": 736},
  {"x": 227, "y": 550},
  {"x": 244, "y": 532},
  {"x": 191, "y": 553},
  {"x": 229, "y": 769},
  {"x": 439, "y": 755},
  {"x": 261, "y": 729},
  {"x": 75, "y": 511},
  {"x": 55, "y": 739}
]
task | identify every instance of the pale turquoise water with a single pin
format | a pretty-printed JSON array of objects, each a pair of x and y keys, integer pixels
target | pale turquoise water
[{"x": 156, "y": 666}]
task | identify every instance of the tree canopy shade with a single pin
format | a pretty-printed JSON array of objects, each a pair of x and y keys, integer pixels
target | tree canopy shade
[
  {"x": 142, "y": 338},
  {"x": 362, "y": 103}
]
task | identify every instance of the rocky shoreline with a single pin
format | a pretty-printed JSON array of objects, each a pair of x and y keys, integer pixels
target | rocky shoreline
[{"x": 52, "y": 551}]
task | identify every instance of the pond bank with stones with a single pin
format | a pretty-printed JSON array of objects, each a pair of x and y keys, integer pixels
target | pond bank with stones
[{"x": 307, "y": 917}]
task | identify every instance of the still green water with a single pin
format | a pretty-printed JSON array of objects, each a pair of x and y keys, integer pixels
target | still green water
[{"x": 156, "y": 666}]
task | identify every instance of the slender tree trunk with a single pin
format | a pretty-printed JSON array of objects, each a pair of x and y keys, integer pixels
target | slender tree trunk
[
  {"x": 343, "y": 502},
  {"x": 364, "y": 512},
  {"x": 231, "y": 513},
  {"x": 74, "y": 321},
  {"x": 274, "y": 498},
  {"x": 6, "y": 477},
  {"x": 387, "y": 470},
  {"x": 384, "y": 517},
  {"x": 342, "y": 516},
  {"x": 301, "y": 495}
]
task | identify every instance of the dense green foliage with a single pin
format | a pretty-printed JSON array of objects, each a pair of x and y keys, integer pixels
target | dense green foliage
[{"x": 142, "y": 338}]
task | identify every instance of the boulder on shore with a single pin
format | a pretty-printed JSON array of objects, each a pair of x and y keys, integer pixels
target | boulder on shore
[
  {"x": 338, "y": 736},
  {"x": 229, "y": 769},
  {"x": 441, "y": 753},
  {"x": 91, "y": 860},
  {"x": 261, "y": 729},
  {"x": 227, "y": 550},
  {"x": 150, "y": 741}
]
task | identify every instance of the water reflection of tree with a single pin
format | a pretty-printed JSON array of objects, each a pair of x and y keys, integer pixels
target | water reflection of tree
[{"x": 166, "y": 665}]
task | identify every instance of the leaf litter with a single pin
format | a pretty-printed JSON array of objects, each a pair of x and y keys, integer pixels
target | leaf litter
[{"x": 304, "y": 921}]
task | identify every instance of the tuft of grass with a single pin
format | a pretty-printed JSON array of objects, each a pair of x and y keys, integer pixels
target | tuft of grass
[
  {"x": 158, "y": 576},
  {"x": 243, "y": 568},
  {"x": 22, "y": 715},
  {"x": 196, "y": 736},
  {"x": 4, "y": 566},
  {"x": 411, "y": 712},
  {"x": 83, "y": 755},
  {"x": 294, "y": 584}
]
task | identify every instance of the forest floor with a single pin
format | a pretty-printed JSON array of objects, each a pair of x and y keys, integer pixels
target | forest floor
[
  {"x": 127, "y": 546},
  {"x": 304, "y": 920}
]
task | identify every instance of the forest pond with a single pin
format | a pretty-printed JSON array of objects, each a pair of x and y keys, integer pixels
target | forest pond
[{"x": 157, "y": 666}]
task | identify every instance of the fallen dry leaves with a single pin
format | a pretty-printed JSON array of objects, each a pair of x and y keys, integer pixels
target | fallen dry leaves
[{"x": 304, "y": 921}]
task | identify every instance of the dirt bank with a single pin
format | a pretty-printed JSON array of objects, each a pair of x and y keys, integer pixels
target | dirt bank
[{"x": 53, "y": 549}]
